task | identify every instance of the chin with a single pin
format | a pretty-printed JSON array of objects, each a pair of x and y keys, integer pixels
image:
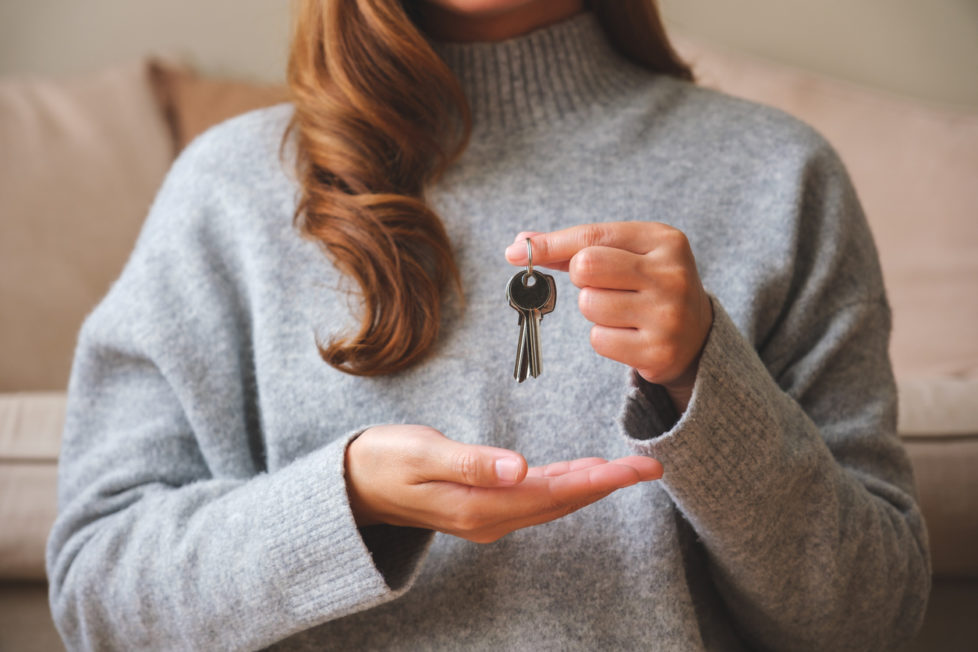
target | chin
[{"x": 481, "y": 7}]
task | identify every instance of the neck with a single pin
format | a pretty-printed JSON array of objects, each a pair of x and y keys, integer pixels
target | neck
[
  {"x": 547, "y": 75},
  {"x": 445, "y": 23}
]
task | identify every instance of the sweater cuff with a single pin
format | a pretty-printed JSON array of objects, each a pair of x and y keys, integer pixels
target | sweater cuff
[
  {"x": 327, "y": 567},
  {"x": 719, "y": 448}
]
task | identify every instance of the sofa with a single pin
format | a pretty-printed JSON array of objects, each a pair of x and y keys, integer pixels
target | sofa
[{"x": 82, "y": 158}]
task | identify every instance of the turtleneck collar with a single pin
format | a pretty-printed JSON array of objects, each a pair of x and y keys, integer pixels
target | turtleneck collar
[{"x": 540, "y": 77}]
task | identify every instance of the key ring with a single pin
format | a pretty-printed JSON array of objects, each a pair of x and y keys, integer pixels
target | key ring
[{"x": 529, "y": 263}]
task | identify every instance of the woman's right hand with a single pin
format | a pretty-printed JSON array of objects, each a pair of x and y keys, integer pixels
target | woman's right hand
[{"x": 414, "y": 476}]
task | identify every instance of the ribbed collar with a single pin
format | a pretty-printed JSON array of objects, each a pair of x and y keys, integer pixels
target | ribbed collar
[{"x": 540, "y": 77}]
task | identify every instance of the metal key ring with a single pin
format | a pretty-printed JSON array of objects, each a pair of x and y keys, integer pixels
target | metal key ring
[{"x": 529, "y": 262}]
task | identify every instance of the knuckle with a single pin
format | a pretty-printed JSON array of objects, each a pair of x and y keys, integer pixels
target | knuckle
[
  {"x": 585, "y": 302},
  {"x": 582, "y": 267},
  {"x": 414, "y": 438},
  {"x": 645, "y": 266},
  {"x": 593, "y": 235},
  {"x": 465, "y": 466},
  {"x": 676, "y": 238}
]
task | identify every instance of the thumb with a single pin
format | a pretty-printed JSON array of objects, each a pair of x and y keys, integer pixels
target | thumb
[{"x": 477, "y": 466}]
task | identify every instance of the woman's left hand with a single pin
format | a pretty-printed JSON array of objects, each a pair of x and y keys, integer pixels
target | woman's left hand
[{"x": 640, "y": 288}]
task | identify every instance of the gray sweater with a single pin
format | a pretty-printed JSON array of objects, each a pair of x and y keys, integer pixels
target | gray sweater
[{"x": 202, "y": 498}]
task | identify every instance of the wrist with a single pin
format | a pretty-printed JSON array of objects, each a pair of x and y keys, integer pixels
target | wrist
[
  {"x": 680, "y": 390},
  {"x": 361, "y": 513}
]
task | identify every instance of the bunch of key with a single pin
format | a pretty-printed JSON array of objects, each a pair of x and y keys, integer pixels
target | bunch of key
[{"x": 533, "y": 295}]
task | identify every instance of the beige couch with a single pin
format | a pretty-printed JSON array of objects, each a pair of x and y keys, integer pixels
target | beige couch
[{"x": 81, "y": 160}]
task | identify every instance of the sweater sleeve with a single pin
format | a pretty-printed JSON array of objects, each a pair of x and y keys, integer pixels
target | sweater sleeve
[
  {"x": 169, "y": 538},
  {"x": 786, "y": 462}
]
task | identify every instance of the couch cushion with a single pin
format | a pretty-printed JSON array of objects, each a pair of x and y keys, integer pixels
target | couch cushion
[
  {"x": 30, "y": 439},
  {"x": 82, "y": 160},
  {"x": 948, "y": 487},
  {"x": 25, "y": 618},
  {"x": 28, "y": 505},
  {"x": 30, "y": 425},
  {"x": 193, "y": 103},
  {"x": 939, "y": 425},
  {"x": 914, "y": 167},
  {"x": 938, "y": 408}
]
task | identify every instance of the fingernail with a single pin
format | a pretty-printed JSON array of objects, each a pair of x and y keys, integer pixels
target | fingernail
[
  {"x": 507, "y": 470},
  {"x": 516, "y": 250}
]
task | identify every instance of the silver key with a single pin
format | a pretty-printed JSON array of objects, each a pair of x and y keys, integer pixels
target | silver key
[
  {"x": 532, "y": 294},
  {"x": 546, "y": 309},
  {"x": 522, "y": 360}
]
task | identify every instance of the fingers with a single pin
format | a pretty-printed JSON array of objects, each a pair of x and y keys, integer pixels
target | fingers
[
  {"x": 517, "y": 250},
  {"x": 485, "y": 514},
  {"x": 560, "y": 246},
  {"x": 647, "y": 467},
  {"x": 560, "y": 468},
  {"x": 614, "y": 308},
  {"x": 606, "y": 267},
  {"x": 572, "y": 488},
  {"x": 629, "y": 346},
  {"x": 475, "y": 466}
]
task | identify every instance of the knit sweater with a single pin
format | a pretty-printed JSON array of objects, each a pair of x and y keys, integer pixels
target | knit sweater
[{"x": 202, "y": 502}]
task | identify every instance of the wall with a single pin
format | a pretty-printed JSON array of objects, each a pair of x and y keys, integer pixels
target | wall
[
  {"x": 922, "y": 48},
  {"x": 241, "y": 38},
  {"x": 927, "y": 49}
]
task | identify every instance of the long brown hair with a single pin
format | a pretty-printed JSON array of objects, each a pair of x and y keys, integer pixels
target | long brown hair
[{"x": 378, "y": 117}]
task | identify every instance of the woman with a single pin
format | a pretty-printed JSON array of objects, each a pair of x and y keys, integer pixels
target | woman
[{"x": 230, "y": 481}]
